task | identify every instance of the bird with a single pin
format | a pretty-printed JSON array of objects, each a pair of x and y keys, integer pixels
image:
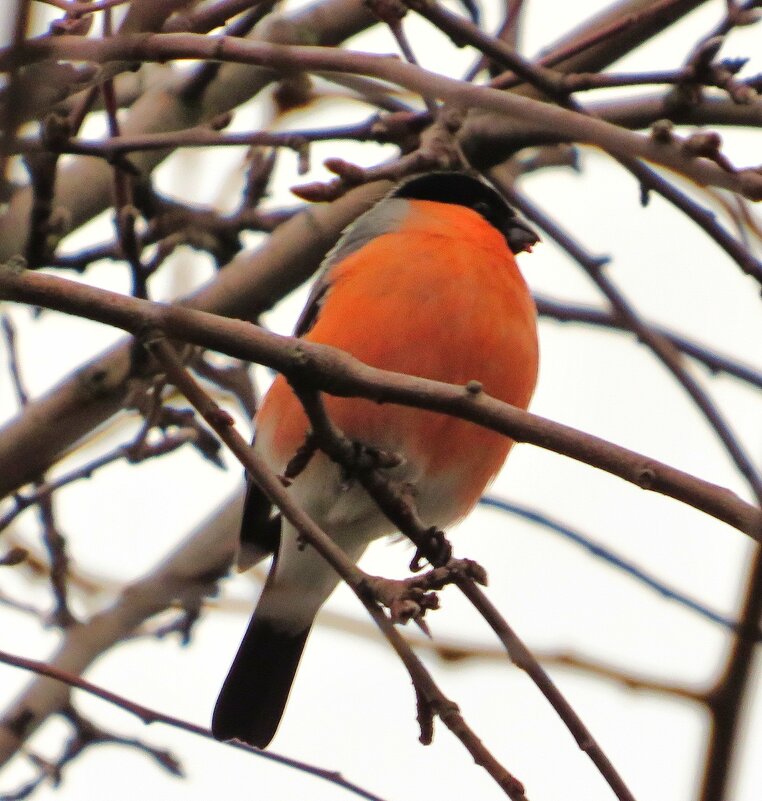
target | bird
[{"x": 424, "y": 283}]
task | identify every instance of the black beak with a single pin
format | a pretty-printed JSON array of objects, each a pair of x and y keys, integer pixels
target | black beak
[{"x": 520, "y": 236}]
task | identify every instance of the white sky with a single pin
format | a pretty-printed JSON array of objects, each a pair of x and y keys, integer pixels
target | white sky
[{"x": 352, "y": 709}]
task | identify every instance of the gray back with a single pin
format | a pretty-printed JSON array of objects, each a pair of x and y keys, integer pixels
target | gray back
[{"x": 387, "y": 215}]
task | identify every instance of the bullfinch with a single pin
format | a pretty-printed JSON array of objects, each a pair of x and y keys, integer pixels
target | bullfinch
[{"x": 424, "y": 283}]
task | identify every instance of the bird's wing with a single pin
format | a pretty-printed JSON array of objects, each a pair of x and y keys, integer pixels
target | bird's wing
[{"x": 260, "y": 528}]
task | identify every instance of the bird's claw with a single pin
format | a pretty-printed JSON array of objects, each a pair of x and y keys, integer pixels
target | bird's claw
[
  {"x": 435, "y": 549},
  {"x": 410, "y": 599},
  {"x": 405, "y": 599}
]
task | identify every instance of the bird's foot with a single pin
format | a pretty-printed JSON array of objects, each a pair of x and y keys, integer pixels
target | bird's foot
[
  {"x": 410, "y": 599},
  {"x": 404, "y": 599},
  {"x": 364, "y": 458},
  {"x": 435, "y": 548}
]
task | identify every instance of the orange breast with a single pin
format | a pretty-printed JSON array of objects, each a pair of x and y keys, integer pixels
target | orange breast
[{"x": 443, "y": 299}]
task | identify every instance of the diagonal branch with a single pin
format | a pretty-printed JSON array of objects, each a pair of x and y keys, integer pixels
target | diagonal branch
[
  {"x": 589, "y": 315},
  {"x": 431, "y": 700},
  {"x": 431, "y": 544},
  {"x": 148, "y": 715}
]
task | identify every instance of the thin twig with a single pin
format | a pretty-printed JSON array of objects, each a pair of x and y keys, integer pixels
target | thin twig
[
  {"x": 54, "y": 541},
  {"x": 14, "y": 366},
  {"x": 589, "y": 315},
  {"x": 133, "y": 452},
  {"x": 124, "y": 211},
  {"x": 618, "y": 562},
  {"x": 204, "y": 136},
  {"x": 523, "y": 658},
  {"x": 55, "y": 544},
  {"x": 392, "y": 12},
  {"x": 148, "y": 716}
]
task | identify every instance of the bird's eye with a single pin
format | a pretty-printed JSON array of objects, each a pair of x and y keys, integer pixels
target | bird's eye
[{"x": 483, "y": 208}]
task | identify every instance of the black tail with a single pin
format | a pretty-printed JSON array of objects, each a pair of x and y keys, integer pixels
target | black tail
[{"x": 252, "y": 699}]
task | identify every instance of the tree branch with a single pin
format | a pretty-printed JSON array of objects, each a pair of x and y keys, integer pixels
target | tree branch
[
  {"x": 582, "y": 128},
  {"x": 336, "y": 372},
  {"x": 148, "y": 716},
  {"x": 432, "y": 702},
  {"x": 248, "y": 286},
  {"x": 589, "y": 315}
]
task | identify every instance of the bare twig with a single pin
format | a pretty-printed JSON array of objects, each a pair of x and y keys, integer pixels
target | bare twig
[
  {"x": 392, "y": 12},
  {"x": 84, "y": 735},
  {"x": 589, "y": 315},
  {"x": 234, "y": 378},
  {"x": 55, "y": 544},
  {"x": 9, "y": 333},
  {"x": 134, "y": 452},
  {"x": 148, "y": 715},
  {"x": 523, "y": 658},
  {"x": 614, "y": 560},
  {"x": 582, "y": 82},
  {"x": 620, "y": 676}
]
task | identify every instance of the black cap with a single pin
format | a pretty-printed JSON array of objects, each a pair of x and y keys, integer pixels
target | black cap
[{"x": 462, "y": 189}]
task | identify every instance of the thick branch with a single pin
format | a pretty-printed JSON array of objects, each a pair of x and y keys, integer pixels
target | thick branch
[{"x": 338, "y": 373}]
